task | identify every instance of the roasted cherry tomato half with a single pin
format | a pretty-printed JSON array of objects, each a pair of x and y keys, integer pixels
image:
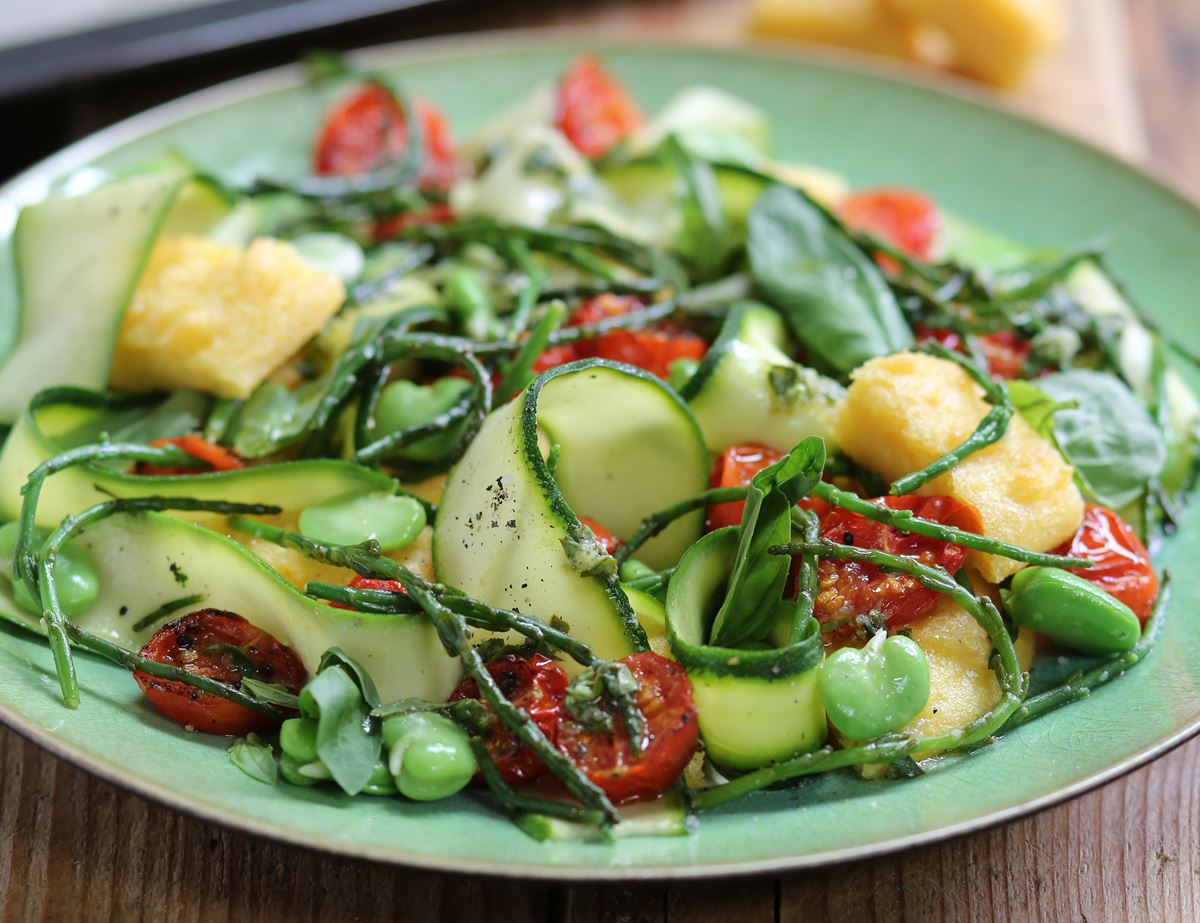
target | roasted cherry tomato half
[
  {"x": 593, "y": 109},
  {"x": 537, "y": 686},
  {"x": 653, "y": 348},
  {"x": 434, "y": 213},
  {"x": 904, "y": 218},
  {"x": 850, "y": 590},
  {"x": 1004, "y": 350},
  {"x": 668, "y": 742},
  {"x": 225, "y": 647},
  {"x": 735, "y": 467},
  {"x": 610, "y": 542},
  {"x": 368, "y": 128},
  {"x": 1121, "y": 563},
  {"x": 370, "y": 583},
  {"x": 213, "y": 456}
]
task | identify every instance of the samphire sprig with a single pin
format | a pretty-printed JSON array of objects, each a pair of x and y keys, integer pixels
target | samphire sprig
[
  {"x": 1013, "y": 684},
  {"x": 442, "y": 606},
  {"x": 990, "y": 429},
  {"x": 903, "y": 520},
  {"x": 62, "y": 633}
]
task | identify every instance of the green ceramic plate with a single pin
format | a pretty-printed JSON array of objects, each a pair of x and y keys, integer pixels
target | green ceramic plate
[{"x": 1026, "y": 181}]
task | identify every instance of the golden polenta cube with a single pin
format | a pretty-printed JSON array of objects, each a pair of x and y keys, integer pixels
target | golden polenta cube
[
  {"x": 216, "y": 318},
  {"x": 905, "y": 410},
  {"x": 962, "y": 685}
]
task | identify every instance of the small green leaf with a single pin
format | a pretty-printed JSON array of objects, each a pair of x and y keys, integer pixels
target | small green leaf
[
  {"x": 834, "y": 297},
  {"x": 705, "y": 239},
  {"x": 255, "y": 758},
  {"x": 1109, "y": 437},
  {"x": 757, "y": 579},
  {"x": 274, "y": 693},
  {"x": 335, "y": 656},
  {"x": 348, "y": 740}
]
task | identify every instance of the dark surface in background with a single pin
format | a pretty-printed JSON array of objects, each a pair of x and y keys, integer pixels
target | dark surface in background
[{"x": 38, "y": 123}]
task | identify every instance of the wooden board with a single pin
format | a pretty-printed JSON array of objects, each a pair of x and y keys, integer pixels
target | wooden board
[{"x": 74, "y": 848}]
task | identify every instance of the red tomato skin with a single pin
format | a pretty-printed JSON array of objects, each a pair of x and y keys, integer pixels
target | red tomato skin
[
  {"x": 1121, "y": 564},
  {"x": 851, "y": 588},
  {"x": 593, "y": 109},
  {"x": 652, "y": 349},
  {"x": 181, "y": 642},
  {"x": 536, "y": 685},
  {"x": 735, "y": 467},
  {"x": 610, "y": 542},
  {"x": 215, "y": 457},
  {"x": 905, "y": 218},
  {"x": 672, "y": 734},
  {"x": 370, "y": 583},
  {"x": 435, "y": 213},
  {"x": 368, "y": 127},
  {"x": 1004, "y": 350}
]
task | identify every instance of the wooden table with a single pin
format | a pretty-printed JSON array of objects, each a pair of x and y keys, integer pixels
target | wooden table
[{"x": 75, "y": 848}]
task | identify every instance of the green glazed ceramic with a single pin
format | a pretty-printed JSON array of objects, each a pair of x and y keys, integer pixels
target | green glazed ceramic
[{"x": 1023, "y": 180}]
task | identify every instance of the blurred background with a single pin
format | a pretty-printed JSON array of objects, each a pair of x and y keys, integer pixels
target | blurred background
[{"x": 1124, "y": 74}]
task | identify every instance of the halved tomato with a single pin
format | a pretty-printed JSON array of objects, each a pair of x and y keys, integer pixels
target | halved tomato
[
  {"x": 537, "y": 686},
  {"x": 850, "y": 591},
  {"x": 1121, "y": 564},
  {"x": 593, "y": 109},
  {"x": 653, "y": 348},
  {"x": 670, "y": 737},
  {"x": 368, "y": 128},
  {"x": 225, "y": 647},
  {"x": 905, "y": 218},
  {"x": 1004, "y": 350}
]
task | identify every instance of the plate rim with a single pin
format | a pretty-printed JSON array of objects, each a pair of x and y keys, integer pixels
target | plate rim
[{"x": 34, "y": 182}]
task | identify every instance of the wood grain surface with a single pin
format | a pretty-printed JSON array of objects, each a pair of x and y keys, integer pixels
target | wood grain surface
[{"x": 75, "y": 848}]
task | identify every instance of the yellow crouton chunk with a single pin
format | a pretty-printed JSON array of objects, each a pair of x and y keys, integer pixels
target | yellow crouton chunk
[
  {"x": 903, "y": 411},
  {"x": 216, "y": 318}
]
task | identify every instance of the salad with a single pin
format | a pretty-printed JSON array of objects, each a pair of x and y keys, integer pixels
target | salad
[{"x": 601, "y": 466}]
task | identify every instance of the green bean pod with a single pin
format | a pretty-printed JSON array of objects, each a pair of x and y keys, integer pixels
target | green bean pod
[{"x": 1071, "y": 611}]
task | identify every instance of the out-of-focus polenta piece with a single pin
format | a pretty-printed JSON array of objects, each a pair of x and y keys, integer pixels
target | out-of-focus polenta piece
[
  {"x": 865, "y": 25},
  {"x": 216, "y": 318},
  {"x": 993, "y": 40},
  {"x": 905, "y": 410}
]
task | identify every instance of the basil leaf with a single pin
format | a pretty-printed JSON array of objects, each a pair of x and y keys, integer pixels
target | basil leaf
[
  {"x": 274, "y": 693},
  {"x": 757, "y": 580},
  {"x": 705, "y": 240},
  {"x": 348, "y": 740},
  {"x": 335, "y": 656},
  {"x": 834, "y": 298},
  {"x": 1036, "y": 406},
  {"x": 1109, "y": 436},
  {"x": 255, "y": 758}
]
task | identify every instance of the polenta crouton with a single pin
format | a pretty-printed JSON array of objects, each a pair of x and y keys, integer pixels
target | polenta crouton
[
  {"x": 216, "y": 318},
  {"x": 905, "y": 410}
]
